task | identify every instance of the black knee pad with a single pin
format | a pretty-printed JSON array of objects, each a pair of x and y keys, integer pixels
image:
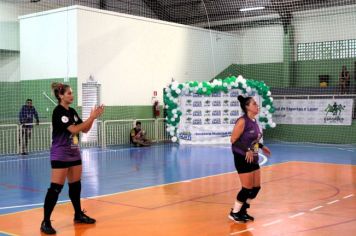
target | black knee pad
[
  {"x": 243, "y": 194},
  {"x": 55, "y": 189},
  {"x": 254, "y": 192}
]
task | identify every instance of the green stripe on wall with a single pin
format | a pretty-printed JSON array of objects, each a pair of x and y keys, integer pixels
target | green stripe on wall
[
  {"x": 34, "y": 89},
  {"x": 305, "y": 73},
  {"x": 270, "y": 73},
  {"x": 339, "y": 134},
  {"x": 128, "y": 112}
]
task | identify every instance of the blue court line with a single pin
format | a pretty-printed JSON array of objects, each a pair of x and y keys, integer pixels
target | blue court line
[{"x": 111, "y": 171}]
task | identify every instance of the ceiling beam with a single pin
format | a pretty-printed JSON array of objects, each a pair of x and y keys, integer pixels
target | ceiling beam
[
  {"x": 158, "y": 9},
  {"x": 182, "y": 4}
]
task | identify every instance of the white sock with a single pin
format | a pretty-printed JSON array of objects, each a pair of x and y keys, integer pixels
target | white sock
[{"x": 237, "y": 207}]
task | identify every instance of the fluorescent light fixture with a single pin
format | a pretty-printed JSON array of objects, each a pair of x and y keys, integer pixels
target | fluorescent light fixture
[{"x": 252, "y": 8}]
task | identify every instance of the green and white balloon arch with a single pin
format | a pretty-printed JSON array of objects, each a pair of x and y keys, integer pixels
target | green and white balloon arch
[{"x": 244, "y": 87}]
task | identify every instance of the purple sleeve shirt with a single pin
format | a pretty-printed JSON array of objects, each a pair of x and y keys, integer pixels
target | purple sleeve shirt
[
  {"x": 65, "y": 145},
  {"x": 249, "y": 135}
]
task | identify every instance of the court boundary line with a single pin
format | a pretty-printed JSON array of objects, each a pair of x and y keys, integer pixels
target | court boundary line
[
  {"x": 161, "y": 185},
  {"x": 148, "y": 187},
  {"x": 324, "y": 163},
  {"x": 8, "y": 234}
]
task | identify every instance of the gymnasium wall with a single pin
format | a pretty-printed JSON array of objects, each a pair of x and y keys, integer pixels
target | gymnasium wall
[{"x": 137, "y": 56}]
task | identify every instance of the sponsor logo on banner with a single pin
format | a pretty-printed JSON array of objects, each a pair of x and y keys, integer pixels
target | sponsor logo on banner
[
  {"x": 333, "y": 113},
  {"x": 216, "y": 95},
  {"x": 234, "y": 94},
  {"x": 216, "y": 113},
  {"x": 234, "y": 103},
  {"x": 188, "y": 102},
  {"x": 313, "y": 111},
  {"x": 188, "y": 120},
  {"x": 226, "y": 120},
  {"x": 188, "y": 112},
  {"x": 197, "y": 104},
  {"x": 226, "y": 112},
  {"x": 197, "y": 121},
  {"x": 207, "y": 103},
  {"x": 216, "y": 103},
  {"x": 185, "y": 135},
  {"x": 216, "y": 121},
  {"x": 225, "y": 95},
  {"x": 226, "y": 103},
  {"x": 233, "y": 121},
  {"x": 197, "y": 113},
  {"x": 195, "y": 95},
  {"x": 207, "y": 121},
  {"x": 234, "y": 113}
]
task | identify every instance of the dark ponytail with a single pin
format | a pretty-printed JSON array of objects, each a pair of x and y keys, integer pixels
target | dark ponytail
[
  {"x": 244, "y": 102},
  {"x": 59, "y": 89}
]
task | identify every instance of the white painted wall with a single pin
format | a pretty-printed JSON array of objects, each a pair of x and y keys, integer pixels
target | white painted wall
[
  {"x": 9, "y": 67},
  {"x": 329, "y": 24},
  {"x": 130, "y": 56},
  {"x": 48, "y": 43},
  {"x": 261, "y": 44},
  {"x": 133, "y": 56}
]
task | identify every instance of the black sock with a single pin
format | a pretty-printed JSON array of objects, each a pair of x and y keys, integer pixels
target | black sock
[
  {"x": 74, "y": 195},
  {"x": 244, "y": 207},
  {"x": 51, "y": 200}
]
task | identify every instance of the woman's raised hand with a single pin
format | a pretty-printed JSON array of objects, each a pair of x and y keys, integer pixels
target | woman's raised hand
[{"x": 97, "y": 111}]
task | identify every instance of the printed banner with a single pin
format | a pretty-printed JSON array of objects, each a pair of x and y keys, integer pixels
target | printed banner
[
  {"x": 313, "y": 111},
  {"x": 208, "y": 119}
]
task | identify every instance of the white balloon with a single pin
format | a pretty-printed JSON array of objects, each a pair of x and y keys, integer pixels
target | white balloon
[
  {"x": 175, "y": 115},
  {"x": 173, "y": 119},
  {"x": 269, "y": 93},
  {"x": 273, "y": 125},
  {"x": 248, "y": 89},
  {"x": 225, "y": 84},
  {"x": 271, "y": 99},
  {"x": 178, "y": 91},
  {"x": 174, "y": 111},
  {"x": 268, "y": 107},
  {"x": 174, "y": 139},
  {"x": 204, "y": 89},
  {"x": 171, "y": 133}
]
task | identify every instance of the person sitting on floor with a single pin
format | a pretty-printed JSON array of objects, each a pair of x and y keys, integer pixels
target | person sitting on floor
[{"x": 138, "y": 136}]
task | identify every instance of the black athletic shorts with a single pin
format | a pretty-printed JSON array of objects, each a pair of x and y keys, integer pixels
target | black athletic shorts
[
  {"x": 65, "y": 164},
  {"x": 242, "y": 166}
]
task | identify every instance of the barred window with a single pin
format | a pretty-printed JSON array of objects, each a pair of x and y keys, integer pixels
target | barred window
[{"x": 326, "y": 50}]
